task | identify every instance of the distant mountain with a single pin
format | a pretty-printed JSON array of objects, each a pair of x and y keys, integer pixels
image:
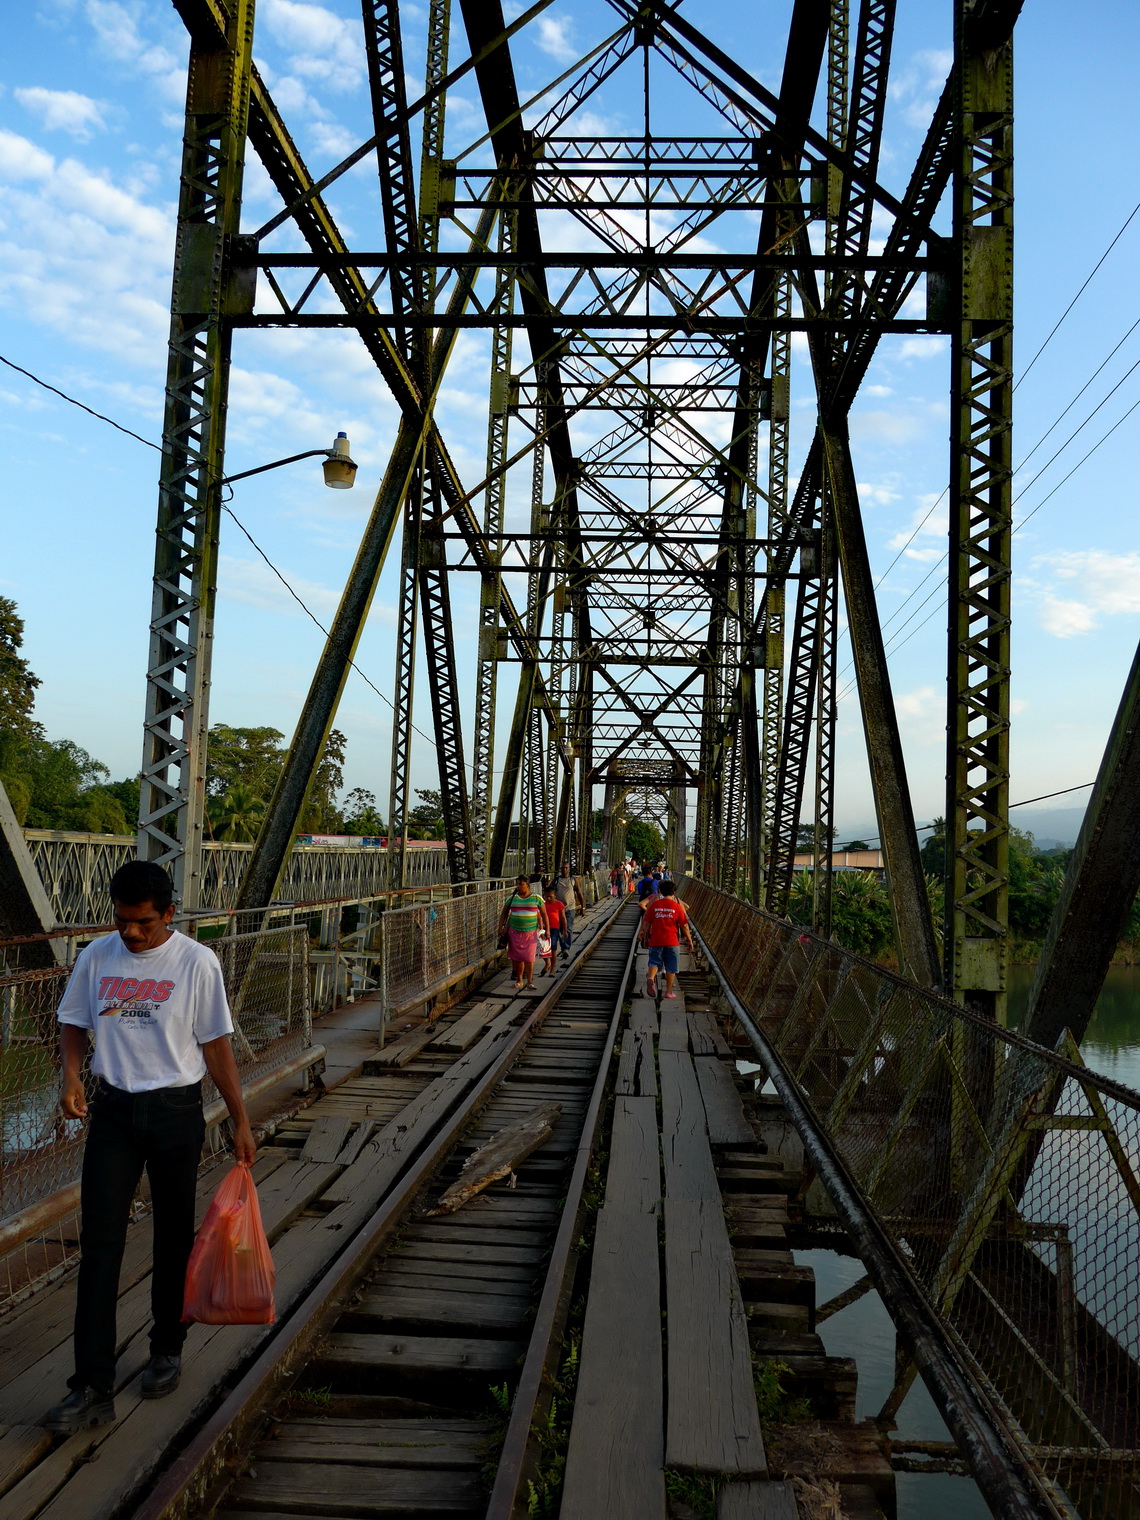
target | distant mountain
[{"x": 1049, "y": 826}]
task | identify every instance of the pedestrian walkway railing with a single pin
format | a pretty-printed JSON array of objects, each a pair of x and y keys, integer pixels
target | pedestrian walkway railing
[{"x": 1006, "y": 1176}]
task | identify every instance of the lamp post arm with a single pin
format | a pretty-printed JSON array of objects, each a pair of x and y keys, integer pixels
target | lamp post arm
[{"x": 261, "y": 468}]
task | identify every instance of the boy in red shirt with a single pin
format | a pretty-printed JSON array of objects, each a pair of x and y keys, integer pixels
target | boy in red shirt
[
  {"x": 556, "y": 916},
  {"x": 663, "y": 921}
]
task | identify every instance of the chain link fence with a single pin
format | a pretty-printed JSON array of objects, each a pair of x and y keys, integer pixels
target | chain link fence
[
  {"x": 422, "y": 947},
  {"x": 1007, "y": 1175}
]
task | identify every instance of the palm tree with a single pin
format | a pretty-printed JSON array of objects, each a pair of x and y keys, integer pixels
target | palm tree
[{"x": 237, "y": 815}]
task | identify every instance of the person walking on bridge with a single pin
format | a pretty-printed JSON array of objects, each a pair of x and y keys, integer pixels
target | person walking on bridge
[
  {"x": 663, "y": 922},
  {"x": 569, "y": 895},
  {"x": 154, "y": 1002},
  {"x": 522, "y": 917}
]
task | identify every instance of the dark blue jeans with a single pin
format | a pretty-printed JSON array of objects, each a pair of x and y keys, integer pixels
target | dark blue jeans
[{"x": 161, "y": 1131}]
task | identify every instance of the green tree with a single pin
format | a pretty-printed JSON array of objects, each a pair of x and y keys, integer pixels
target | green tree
[
  {"x": 249, "y": 761},
  {"x": 805, "y": 837},
  {"x": 643, "y": 841},
  {"x": 17, "y": 682},
  {"x": 249, "y": 757},
  {"x": 425, "y": 820},
  {"x": 860, "y": 910},
  {"x": 361, "y": 815},
  {"x": 933, "y": 851},
  {"x": 237, "y": 816}
]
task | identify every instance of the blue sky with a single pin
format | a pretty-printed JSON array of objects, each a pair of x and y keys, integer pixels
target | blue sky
[{"x": 90, "y": 123}]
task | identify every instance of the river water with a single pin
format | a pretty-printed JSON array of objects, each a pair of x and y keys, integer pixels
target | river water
[{"x": 864, "y": 1329}]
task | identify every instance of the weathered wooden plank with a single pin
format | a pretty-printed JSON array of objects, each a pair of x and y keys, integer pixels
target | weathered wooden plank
[
  {"x": 401, "y": 1051},
  {"x": 498, "y": 1246},
  {"x": 637, "y": 1073},
  {"x": 302, "y": 1489},
  {"x": 21, "y": 1447},
  {"x": 498, "y": 1157},
  {"x": 756, "y": 1500},
  {"x": 712, "y": 1425},
  {"x": 674, "y": 1025},
  {"x": 434, "y": 1353},
  {"x": 327, "y": 1135},
  {"x": 643, "y": 1015},
  {"x": 483, "y": 1311},
  {"x": 436, "y": 1451},
  {"x": 356, "y": 1142},
  {"x": 387, "y": 1153},
  {"x": 469, "y": 1026},
  {"x": 615, "y": 1459},
  {"x": 633, "y": 1178},
  {"x": 689, "y": 1170},
  {"x": 724, "y": 1112},
  {"x": 430, "y": 1281},
  {"x": 706, "y": 1037},
  {"x": 464, "y": 1271}
]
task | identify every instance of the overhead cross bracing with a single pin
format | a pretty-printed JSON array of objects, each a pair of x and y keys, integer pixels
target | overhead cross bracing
[{"x": 662, "y": 558}]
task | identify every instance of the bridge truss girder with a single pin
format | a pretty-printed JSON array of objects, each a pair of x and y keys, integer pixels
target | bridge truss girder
[{"x": 644, "y": 387}]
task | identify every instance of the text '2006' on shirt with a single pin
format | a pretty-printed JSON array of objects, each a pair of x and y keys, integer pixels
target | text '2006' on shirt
[{"x": 150, "y": 1013}]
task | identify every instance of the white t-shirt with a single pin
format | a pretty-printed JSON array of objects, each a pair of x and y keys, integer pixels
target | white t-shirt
[{"x": 150, "y": 1012}]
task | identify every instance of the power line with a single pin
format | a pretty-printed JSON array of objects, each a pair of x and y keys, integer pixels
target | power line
[
  {"x": 924, "y": 828},
  {"x": 309, "y": 613},
  {"x": 1078, "y": 295},
  {"x": 89, "y": 410}
]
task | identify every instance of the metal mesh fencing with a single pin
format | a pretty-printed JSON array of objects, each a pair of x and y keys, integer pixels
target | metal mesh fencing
[
  {"x": 1007, "y": 1175},
  {"x": 424, "y": 945}
]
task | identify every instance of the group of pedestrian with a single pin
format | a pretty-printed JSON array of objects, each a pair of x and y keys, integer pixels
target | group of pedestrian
[
  {"x": 626, "y": 876},
  {"x": 538, "y": 921}
]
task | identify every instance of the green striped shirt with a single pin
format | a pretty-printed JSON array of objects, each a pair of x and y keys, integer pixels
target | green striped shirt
[{"x": 524, "y": 913}]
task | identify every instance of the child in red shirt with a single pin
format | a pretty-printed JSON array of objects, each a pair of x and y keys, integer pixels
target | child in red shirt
[
  {"x": 556, "y": 915},
  {"x": 663, "y": 921}
]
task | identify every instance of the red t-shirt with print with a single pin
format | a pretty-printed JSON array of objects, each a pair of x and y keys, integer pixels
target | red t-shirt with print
[
  {"x": 555, "y": 912},
  {"x": 664, "y": 917}
]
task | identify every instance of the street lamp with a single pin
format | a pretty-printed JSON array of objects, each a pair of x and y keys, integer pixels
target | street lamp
[{"x": 339, "y": 467}]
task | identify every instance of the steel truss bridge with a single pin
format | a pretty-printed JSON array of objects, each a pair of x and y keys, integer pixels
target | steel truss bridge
[
  {"x": 666, "y": 628},
  {"x": 661, "y": 636}
]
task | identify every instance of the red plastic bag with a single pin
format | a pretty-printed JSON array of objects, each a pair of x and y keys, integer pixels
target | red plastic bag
[{"x": 229, "y": 1280}]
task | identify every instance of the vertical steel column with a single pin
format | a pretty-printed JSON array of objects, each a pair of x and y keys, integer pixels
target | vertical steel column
[
  {"x": 977, "y": 819},
  {"x": 827, "y": 632},
  {"x": 206, "y": 290},
  {"x": 404, "y": 686},
  {"x": 490, "y": 589},
  {"x": 772, "y": 652}
]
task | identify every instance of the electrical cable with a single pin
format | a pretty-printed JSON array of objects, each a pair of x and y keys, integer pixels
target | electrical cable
[
  {"x": 924, "y": 828},
  {"x": 230, "y": 511},
  {"x": 1078, "y": 295}
]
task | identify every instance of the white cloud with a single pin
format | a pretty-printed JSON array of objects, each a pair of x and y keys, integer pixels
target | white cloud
[
  {"x": 253, "y": 582},
  {"x": 322, "y": 45},
  {"x": 1107, "y": 585},
  {"x": 80, "y": 254},
  {"x": 924, "y": 537},
  {"x": 118, "y": 32},
  {"x": 63, "y": 110},
  {"x": 923, "y": 347},
  {"x": 554, "y": 37}
]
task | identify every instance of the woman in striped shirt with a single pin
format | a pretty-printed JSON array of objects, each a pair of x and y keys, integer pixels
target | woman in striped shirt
[{"x": 522, "y": 918}]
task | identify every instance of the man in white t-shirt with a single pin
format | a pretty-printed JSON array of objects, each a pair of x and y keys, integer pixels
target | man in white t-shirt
[{"x": 154, "y": 1002}]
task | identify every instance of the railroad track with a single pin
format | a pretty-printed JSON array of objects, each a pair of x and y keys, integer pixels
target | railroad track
[{"x": 408, "y": 1379}]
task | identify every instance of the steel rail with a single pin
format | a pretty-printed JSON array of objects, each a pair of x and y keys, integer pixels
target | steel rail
[
  {"x": 553, "y": 1304},
  {"x": 188, "y": 1482},
  {"x": 1008, "y": 1485}
]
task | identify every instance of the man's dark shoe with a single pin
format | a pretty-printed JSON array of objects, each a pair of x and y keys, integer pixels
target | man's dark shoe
[
  {"x": 80, "y": 1410},
  {"x": 160, "y": 1376}
]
